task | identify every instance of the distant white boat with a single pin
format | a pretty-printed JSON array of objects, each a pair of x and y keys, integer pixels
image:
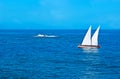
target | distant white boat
[
  {"x": 90, "y": 42},
  {"x": 41, "y": 35}
]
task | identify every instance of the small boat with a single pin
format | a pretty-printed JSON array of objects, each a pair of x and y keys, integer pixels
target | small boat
[
  {"x": 40, "y": 35},
  {"x": 89, "y": 42},
  {"x": 45, "y": 36}
]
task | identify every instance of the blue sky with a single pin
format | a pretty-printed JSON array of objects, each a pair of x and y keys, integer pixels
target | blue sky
[{"x": 59, "y": 14}]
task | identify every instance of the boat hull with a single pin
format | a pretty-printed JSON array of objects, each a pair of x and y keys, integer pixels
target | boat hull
[{"x": 88, "y": 46}]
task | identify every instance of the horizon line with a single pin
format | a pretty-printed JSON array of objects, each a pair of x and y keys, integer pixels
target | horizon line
[{"x": 55, "y": 29}]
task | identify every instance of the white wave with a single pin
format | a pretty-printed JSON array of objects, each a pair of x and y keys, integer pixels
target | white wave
[{"x": 43, "y": 36}]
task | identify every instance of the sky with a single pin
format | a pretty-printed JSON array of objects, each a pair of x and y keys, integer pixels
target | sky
[{"x": 59, "y": 14}]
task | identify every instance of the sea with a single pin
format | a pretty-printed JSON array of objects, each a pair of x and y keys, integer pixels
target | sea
[{"x": 25, "y": 56}]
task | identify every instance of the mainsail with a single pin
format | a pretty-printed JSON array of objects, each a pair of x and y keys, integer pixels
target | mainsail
[
  {"x": 95, "y": 37},
  {"x": 87, "y": 38}
]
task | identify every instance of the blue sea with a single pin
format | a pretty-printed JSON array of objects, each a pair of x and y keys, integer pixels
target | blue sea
[{"x": 24, "y": 56}]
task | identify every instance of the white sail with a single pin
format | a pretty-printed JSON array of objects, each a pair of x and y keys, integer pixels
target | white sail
[
  {"x": 95, "y": 37},
  {"x": 87, "y": 38}
]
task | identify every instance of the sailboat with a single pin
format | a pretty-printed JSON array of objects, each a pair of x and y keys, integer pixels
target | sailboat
[{"x": 90, "y": 42}]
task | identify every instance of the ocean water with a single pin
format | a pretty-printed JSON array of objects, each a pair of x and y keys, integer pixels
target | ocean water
[{"x": 23, "y": 56}]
